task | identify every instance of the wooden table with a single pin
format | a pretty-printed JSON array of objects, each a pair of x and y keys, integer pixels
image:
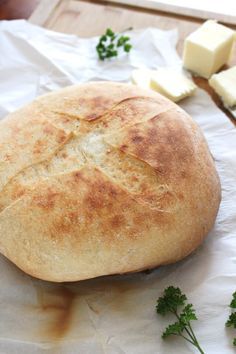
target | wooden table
[
  {"x": 16, "y": 9},
  {"x": 90, "y": 18}
]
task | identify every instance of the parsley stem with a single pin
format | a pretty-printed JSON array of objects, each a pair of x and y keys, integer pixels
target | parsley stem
[
  {"x": 186, "y": 329},
  {"x": 195, "y": 339},
  {"x": 191, "y": 330},
  {"x": 127, "y": 29},
  {"x": 194, "y": 342},
  {"x": 190, "y": 341},
  {"x": 199, "y": 348},
  {"x": 191, "y": 334},
  {"x": 174, "y": 301}
]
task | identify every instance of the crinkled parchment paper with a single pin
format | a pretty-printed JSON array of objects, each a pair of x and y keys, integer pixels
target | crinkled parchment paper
[{"x": 115, "y": 314}]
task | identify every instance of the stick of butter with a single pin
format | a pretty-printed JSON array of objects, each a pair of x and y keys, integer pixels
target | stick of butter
[
  {"x": 141, "y": 78},
  {"x": 208, "y": 48},
  {"x": 172, "y": 84},
  {"x": 224, "y": 85}
]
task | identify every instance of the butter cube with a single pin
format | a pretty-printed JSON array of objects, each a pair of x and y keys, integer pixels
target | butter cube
[
  {"x": 172, "y": 84},
  {"x": 141, "y": 78},
  {"x": 208, "y": 48},
  {"x": 224, "y": 85}
]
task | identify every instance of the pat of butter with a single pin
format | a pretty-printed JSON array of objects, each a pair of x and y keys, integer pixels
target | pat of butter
[
  {"x": 208, "y": 48},
  {"x": 172, "y": 84},
  {"x": 224, "y": 85},
  {"x": 141, "y": 78}
]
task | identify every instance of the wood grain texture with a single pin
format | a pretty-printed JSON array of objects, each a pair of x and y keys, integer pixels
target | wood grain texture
[
  {"x": 203, "y": 84},
  {"x": 185, "y": 8},
  {"x": 91, "y": 18},
  {"x": 43, "y": 11},
  {"x": 75, "y": 17}
]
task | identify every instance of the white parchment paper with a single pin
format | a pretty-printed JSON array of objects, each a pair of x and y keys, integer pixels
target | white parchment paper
[{"x": 115, "y": 315}]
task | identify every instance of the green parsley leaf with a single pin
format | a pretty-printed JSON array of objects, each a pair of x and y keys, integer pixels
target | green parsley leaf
[
  {"x": 109, "y": 32},
  {"x": 233, "y": 302},
  {"x": 231, "y": 322},
  {"x": 103, "y": 38},
  {"x": 170, "y": 302},
  {"x": 110, "y": 42},
  {"x": 188, "y": 314},
  {"x": 127, "y": 47},
  {"x": 173, "y": 329}
]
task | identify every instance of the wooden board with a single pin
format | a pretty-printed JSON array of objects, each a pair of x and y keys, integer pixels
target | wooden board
[
  {"x": 223, "y": 11},
  {"x": 91, "y": 18}
]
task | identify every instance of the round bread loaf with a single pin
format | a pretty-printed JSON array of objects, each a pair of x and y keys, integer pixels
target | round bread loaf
[{"x": 103, "y": 178}]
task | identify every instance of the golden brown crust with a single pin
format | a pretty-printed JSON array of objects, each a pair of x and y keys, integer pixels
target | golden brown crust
[{"x": 103, "y": 178}]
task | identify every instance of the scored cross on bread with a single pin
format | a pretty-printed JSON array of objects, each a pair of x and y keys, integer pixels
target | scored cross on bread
[{"x": 103, "y": 178}]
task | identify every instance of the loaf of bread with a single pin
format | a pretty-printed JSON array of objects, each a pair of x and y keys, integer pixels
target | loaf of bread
[{"x": 103, "y": 178}]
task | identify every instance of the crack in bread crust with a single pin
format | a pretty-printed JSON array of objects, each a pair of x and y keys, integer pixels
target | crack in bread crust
[
  {"x": 119, "y": 116},
  {"x": 103, "y": 178}
]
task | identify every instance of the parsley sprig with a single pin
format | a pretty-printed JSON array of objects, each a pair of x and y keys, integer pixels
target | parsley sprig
[
  {"x": 110, "y": 43},
  {"x": 232, "y": 317},
  {"x": 170, "y": 303}
]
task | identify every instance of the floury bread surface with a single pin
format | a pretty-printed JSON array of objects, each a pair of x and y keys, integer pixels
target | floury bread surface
[{"x": 103, "y": 178}]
